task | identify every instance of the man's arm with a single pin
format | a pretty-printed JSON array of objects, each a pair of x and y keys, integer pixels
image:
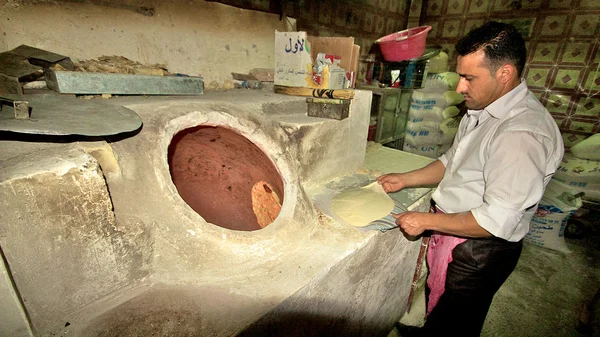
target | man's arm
[
  {"x": 459, "y": 224},
  {"x": 428, "y": 175}
]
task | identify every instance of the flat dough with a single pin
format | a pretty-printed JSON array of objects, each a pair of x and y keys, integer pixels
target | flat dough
[
  {"x": 265, "y": 203},
  {"x": 359, "y": 206}
]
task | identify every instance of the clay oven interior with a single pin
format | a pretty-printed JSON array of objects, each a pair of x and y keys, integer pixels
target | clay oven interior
[{"x": 225, "y": 177}]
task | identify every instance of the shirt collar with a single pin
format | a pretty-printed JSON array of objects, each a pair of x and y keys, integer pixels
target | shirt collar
[{"x": 500, "y": 107}]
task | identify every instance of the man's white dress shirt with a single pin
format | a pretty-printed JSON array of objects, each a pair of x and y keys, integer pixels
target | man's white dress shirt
[{"x": 500, "y": 163}]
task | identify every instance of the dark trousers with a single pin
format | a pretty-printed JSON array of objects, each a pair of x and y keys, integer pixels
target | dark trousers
[{"x": 478, "y": 269}]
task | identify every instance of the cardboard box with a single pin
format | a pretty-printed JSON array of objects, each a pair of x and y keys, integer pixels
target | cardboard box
[{"x": 295, "y": 53}]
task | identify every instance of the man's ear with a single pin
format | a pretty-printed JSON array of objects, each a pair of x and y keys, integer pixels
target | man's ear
[{"x": 506, "y": 73}]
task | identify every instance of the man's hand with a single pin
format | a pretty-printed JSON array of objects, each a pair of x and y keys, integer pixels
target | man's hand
[
  {"x": 412, "y": 223},
  {"x": 459, "y": 224},
  {"x": 428, "y": 175},
  {"x": 392, "y": 182}
]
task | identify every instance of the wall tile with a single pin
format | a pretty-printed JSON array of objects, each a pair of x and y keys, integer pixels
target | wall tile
[
  {"x": 456, "y": 6},
  {"x": 415, "y": 9},
  {"x": 451, "y": 28},
  {"x": 434, "y": 32},
  {"x": 470, "y": 24},
  {"x": 390, "y": 26},
  {"x": 434, "y": 7},
  {"x": 479, "y": 6},
  {"x": 502, "y": 5},
  {"x": 325, "y": 33},
  {"x": 562, "y": 122},
  {"x": 448, "y": 48},
  {"x": 340, "y": 14},
  {"x": 531, "y": 4},
  {"x": 560, "y": 4},
  {"x": 563, "y": 50},
  {"x": 383, "y": 4},
  {"x": 394, "y": 6},
  {"x": 540, "y": 95},
  {"x": 544, "y": 52},
  {"x": 325, "y": 15},
  {"x": 589, "y": 107},
  {"x": 537, "y": 76},
  {"x": 524, "y": 25},
  {"x": 557, "y": 103},
  {"x": 595, "y": 59},
  {"x": 554, "y": 25},
  {"x": 380, "y": 25},
  {"x": 357, "y": 18},
  {"x": 566, "y": 79},
  {"x": 570, "y": 139},
  {"x": 413, "y": 23},
  {"x": 582, "y": 126},
  {"x": 365, "y": 46},
  {"x": 589, "y": 4},
  {"x": 369, "y": 23},
  {"x": 575, "y": 52},
  {"x": 585, "y": 25},
  {"x": 592, "y": 84}
]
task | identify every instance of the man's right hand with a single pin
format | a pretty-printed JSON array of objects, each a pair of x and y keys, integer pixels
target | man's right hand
[{"x": 391, "y": 182}]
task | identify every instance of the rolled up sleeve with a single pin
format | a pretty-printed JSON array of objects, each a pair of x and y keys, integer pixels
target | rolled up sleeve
[{"x": 514, "y": 182}]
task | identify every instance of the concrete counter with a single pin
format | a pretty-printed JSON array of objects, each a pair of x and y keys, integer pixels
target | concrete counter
[{"x": 99, "y": 243}]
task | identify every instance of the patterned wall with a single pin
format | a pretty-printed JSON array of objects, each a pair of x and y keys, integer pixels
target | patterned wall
[
  {"x": 562, "y": 37},
  {"x": 563, "y": 42},
  {"x": 365, "y": 20}
]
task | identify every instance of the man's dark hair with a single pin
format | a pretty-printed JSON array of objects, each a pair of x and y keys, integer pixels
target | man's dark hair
[{"x": 501, "y": 43}]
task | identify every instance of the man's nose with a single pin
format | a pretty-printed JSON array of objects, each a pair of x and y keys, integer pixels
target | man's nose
[{"x": 461, "y": 86}]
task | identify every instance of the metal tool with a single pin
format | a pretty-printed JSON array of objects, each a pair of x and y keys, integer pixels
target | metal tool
[
  {"x": 62, "y": 115},
  {"x": 20, "y": 106}
]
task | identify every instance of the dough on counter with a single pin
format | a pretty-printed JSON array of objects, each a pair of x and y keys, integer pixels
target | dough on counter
[{"x": 359, "y": 206}]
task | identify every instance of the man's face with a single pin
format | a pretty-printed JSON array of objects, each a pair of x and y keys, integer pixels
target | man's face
[{"x": 477, "y": 85}]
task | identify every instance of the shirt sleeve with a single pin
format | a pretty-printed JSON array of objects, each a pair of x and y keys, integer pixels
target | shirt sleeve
[{"x": 514, "y": 181}]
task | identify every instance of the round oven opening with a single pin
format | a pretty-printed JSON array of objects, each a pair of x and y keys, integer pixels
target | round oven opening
[{"x": 225, "y": 178}]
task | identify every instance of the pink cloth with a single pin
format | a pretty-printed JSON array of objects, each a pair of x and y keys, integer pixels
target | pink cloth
[{"x": 439, "y": 255}]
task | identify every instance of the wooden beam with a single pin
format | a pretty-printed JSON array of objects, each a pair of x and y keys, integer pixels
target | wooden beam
[{"x": 308, "y": 92}]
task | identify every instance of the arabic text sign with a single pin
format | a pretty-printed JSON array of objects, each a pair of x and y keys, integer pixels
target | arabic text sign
[{"x": 292, "y": 59}]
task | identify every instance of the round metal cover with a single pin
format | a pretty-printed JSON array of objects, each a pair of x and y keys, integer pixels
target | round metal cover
[{"x": 55, "y": 114}]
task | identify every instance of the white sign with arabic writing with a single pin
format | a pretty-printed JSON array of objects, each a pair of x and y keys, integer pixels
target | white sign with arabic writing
[{"x": 293, "y": 63}]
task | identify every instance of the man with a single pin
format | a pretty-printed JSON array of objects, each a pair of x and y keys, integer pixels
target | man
[{"x": 490, "y": 181}]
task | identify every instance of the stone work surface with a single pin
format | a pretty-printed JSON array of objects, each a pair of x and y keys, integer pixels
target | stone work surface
[
  {"x": 59, "y": 235},
  {"x": 117, "y": 251}
]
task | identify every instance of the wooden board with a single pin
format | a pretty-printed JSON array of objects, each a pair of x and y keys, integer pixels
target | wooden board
[
  {"x": 354, "y": 66},
  {"x": 263, "y": 74},
  {"x": 308, "y": 92},
  {"x": 243, "y": 77}
]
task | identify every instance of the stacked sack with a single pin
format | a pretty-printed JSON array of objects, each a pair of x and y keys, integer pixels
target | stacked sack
[
  {"x": 577, "y": 178},
  {"x": 547, "y": 226},
  {"x": 433, "y": 117},
  {"x": 580, "y": 169}
]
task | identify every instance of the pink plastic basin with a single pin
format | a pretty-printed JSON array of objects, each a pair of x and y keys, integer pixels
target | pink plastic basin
[{"x": 404, "y": 45}]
